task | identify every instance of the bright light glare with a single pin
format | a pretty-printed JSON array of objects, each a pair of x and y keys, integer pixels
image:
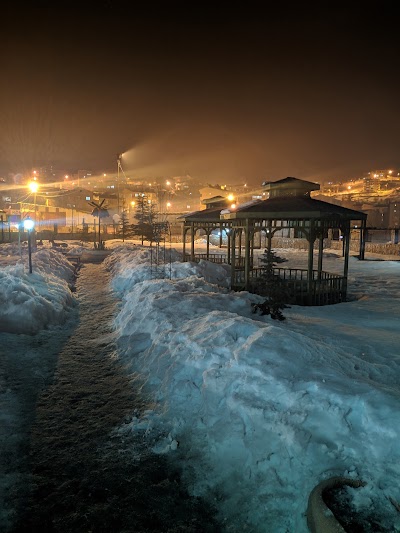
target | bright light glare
[
  {"x": 231, "y": 197},
  {"x": 33, "y": 186},
  {"x": 28, "y": 224}
]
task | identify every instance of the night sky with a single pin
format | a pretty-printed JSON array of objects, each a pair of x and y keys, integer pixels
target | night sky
[{"x": 225, "y": 94}]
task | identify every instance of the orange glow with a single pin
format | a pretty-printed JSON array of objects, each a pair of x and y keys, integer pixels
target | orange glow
[{"x": 33, "y": 186}]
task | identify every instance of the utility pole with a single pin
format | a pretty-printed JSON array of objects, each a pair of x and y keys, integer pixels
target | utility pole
[{"x": 118, "y": 167}]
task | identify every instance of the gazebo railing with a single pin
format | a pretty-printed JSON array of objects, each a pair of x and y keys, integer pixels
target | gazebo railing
[
  {"x": 323, "y": 289},
  {"x": 215, "y": 258}
]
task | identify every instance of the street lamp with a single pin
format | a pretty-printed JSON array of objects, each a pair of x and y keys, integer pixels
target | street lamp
[
  {"x": 72, "y": 216},
  {"x": 29, "y": 224},
  {"x": 33, "y": 186},
  {"x": 119, "y": 156}
]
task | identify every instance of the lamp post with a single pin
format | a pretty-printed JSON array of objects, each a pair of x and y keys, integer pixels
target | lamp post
[
  {"x": 34, "y": 188},
  {"x": 28, "y": 226},
  {"x": 72, "y": 216},
  {"x": 118, "y": 167}
]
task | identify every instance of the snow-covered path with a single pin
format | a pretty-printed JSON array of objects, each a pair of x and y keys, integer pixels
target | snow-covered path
[
  {"x": 82, "y": 476},
  {"x": 252, "y": 413}
]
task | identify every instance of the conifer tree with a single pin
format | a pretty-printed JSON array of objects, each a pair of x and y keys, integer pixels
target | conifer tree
[
  {"x": 145, "y": 215},
  {"x": 124, "y": 228},
  {"x": 271, "y": 286}
]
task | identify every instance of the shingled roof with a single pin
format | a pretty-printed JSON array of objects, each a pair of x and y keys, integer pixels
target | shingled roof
[
  {"x": 293, "y": 207},
  {"x": 291, "y": 200}
]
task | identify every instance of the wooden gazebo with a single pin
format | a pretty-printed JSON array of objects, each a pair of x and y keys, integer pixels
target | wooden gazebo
[{"x": 289, "y": 207}]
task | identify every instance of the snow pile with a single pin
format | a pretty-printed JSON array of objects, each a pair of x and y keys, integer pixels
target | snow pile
[
  {"x": 258, "y": 412},
  {"x": 132, "y": 264},
  {"x": 31, "y": 302}
]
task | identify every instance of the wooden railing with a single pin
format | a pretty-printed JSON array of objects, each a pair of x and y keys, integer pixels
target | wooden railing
[
  {"x": 323, "y": 289},
  {"x": 215, "y": 258}
]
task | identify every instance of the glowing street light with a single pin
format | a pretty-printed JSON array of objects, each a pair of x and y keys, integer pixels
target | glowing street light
[
  {"x": 34, "y": 187},
  {"x": 29, "y": 224},
  {"x": 119, "y": 167}
]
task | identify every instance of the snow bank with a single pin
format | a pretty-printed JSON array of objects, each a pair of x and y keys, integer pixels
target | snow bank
[
  {"x": 31, "y": 302},
  {"x": 258, "y": 412}
]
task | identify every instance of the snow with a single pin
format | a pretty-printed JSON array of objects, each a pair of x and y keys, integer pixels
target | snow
[
  {"x": 32, "y": 302},
  {"x": 255, "y": 411}
]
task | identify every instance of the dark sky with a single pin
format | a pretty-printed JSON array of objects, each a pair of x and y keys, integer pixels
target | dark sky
[{"x": 230, "y": 93}]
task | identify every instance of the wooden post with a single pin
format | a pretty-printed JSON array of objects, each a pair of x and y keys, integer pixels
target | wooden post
[
  {"x": 233, "y": 253},
  {"x": 252, "y": 249},
  {"x": 320, "y": 253},
  {"x": 269, "y": 238},
  {"x": 192, "y": 241},
  {"x": 246, "y": 256},
  {"x": 346, "y": 239},
  {"x": 363, "y": 235},
  {"x": 183, "y": 242},
  {"x": 240, "y": 245},
  {"x": 229, "y": 245},
  {"x": 311, "y": 240}
]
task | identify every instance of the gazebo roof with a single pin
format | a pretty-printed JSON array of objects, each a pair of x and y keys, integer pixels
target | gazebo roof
[
  {"x": 216, "y": 201},
  {"x": 212, "y": 214},
  {"x": 289, "y": 207},
  {"x": 290, "y": 187},
  {"x": 290, "y": 200}
]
